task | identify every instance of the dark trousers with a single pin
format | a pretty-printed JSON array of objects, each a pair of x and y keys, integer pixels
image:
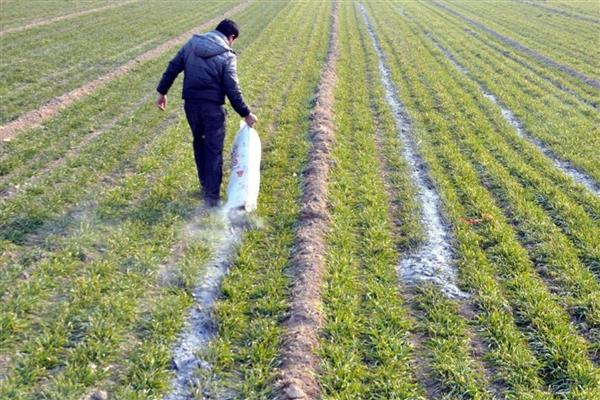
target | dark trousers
[{"x": 207, "y": 121}]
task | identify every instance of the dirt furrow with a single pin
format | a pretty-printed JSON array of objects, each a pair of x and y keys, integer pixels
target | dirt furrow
[
  {"x": 36, "y": 117},
  {"x": 49, "y": 21},
  {"x": 432, "y": 261},
  {"x": 513, "y": 43},
  {"x": 298, "y": 372},
  {"x": 590, "y": 183}
]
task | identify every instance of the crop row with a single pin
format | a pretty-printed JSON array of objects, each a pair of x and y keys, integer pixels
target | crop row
[
  {"x": 81, "y": 186},
  {"x": 579, "y": 6},
  {"x": 78, "y": 191},
  {"x": 497, "y": 250},
  {"x": 559, "y": 37},
  {"x": 566, "y": 82},
  {"x": 533, "y": 171},
  {"x": 364, "y": 346},
  {"x": 45, "y": 62},
  {"x": 547, "y": 113},
  {"x": 100, "y": 266},
  {"x": 80, "y": 295},
  {"x": 565, "y": 9},
  {"x": 271, "y": 71},
  {"x": 18, "y": 13}
]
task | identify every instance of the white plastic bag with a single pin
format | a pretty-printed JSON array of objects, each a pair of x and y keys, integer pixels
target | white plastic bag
[{"x": 242, "y": 191}]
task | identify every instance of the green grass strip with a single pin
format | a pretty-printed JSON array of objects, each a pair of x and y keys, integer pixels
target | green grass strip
[
  {"x": 152, "y": 212},
  {"x": 563, "y": 81},
  {"x": 17, "y": 13},
  {"x": 445, "y": 356},
  {"x": 48, "y": 198},
  {"x": 557, "y": 37},
  {"x": 549, "y": 249},
  {"x": 448, "y": 340}
]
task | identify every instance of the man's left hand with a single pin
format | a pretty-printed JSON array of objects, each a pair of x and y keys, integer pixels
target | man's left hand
[{"x": 251, "y": 119}]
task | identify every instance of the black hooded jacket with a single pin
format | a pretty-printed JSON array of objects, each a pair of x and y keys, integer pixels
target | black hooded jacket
[{"x": 210, "y": 72}]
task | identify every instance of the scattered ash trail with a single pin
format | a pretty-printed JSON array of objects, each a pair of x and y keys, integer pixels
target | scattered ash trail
[
  {"x": 432, "y": 262},
  {"x": 590, "y": 183},
  {"x": 223, "y": 230}
]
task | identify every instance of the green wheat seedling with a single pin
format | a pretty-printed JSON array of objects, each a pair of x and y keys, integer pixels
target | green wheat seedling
[{"x": 152, "y": 210}]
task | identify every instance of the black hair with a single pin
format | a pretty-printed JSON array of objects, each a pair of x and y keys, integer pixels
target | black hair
[{"x": 227, "y": 27}]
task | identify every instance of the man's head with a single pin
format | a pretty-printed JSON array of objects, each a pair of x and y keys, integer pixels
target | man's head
[{"x": 230, "y": 29}]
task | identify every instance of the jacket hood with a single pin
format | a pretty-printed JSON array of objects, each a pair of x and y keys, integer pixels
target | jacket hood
[{"x": 210, "y": 44}]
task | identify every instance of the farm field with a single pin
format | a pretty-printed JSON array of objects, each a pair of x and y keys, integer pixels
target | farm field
[{"x": 429, "y": 214}]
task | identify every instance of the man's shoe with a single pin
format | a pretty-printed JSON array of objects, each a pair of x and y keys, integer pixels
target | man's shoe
[{"x": 211, "y": 202}]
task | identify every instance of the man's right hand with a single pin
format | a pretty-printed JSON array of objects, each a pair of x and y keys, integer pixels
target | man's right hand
[
  {"x": 161, "y": 102},
  {"x": 251, "y": 119}
]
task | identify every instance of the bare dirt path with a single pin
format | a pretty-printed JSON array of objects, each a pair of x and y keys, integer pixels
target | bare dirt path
[
  {"x": 297, "y": 376},
  {"x": 49, "y": 21},
  {"x": 513, "y": 43},
  {"x": 36, "y": 117}
]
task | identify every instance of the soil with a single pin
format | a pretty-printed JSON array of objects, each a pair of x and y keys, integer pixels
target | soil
[{"x": 298, "y": 372}]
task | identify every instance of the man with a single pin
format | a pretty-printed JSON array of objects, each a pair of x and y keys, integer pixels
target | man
[{"x": 210, "y": 74}]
